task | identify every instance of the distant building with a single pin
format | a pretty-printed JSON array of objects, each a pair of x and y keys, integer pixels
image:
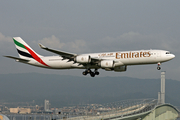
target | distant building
[
  {"x": 25, "y": 110},
  {"x": 14, "y": 110},
  {"x": 161, "y": 95},
  {"x": 46, "y": 105},
  {"x": 20, "y": 110}
]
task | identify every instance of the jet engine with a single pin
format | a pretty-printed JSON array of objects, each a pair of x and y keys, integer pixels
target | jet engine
[
  {"x": 83, "y": 59},
  {"x": 107, "y": 64}
]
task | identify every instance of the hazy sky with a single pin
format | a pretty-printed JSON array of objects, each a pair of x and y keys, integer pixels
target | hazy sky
[{"x": 81, "y": 26}]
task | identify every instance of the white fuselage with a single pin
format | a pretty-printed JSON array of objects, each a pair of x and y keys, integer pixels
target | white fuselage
[
  {"x": 121, "y": 58},
  {"x": 109, "y": 61}
]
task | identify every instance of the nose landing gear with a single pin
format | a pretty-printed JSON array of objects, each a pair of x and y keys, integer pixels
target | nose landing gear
[
  {"x": 88, "y": 71},
  {"x": 158, "y": 67}
]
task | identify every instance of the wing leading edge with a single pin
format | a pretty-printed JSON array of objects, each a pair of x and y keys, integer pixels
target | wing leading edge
[{"x": 65, "y": 55}]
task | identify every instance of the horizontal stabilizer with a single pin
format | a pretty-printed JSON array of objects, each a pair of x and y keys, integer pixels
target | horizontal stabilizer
[{"x": 17, "y": 59}]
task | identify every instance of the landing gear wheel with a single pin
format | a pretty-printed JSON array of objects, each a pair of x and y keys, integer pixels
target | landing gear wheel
[
  {"x": 92, "y": 74},
  {"x": 84, "y": 73},
  {"x": 88, "y": 71},
  {"x": 96, "y": 73},
  {"x": 159, "y": 68}
]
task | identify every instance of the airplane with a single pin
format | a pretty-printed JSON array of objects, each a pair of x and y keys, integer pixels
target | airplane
[{"x": 109, "y": 61}]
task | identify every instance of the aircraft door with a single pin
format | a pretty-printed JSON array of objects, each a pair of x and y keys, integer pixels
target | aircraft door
[{"x": 158, "y": 54}]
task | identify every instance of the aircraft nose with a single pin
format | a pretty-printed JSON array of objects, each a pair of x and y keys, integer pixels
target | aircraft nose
[{"x": 172, "y": 56}]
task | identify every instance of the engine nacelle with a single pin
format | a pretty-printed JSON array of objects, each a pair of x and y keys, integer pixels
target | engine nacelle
[
  {"x": 107, "y": 64},
  {"x": 120, "y": 68},
  {"x": 83, "y": 59}
]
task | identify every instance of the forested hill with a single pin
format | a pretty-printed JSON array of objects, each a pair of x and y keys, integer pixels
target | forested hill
[{"x": 71, "y": 90}]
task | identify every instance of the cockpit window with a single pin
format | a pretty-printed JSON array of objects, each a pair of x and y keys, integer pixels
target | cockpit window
[{"x": 167, "y": 52}]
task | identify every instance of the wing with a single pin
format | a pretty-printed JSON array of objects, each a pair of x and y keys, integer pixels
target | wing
[
  {"x": 17, "y": 59},
  {"x": 65, "y": 55}
]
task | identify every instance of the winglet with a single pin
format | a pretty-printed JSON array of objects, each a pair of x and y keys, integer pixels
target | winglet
[{"x": 42, "y": 46}]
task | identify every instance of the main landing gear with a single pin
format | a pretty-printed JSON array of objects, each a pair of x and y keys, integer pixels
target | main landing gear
[
  {"x": 88, "y": 71},
  {"x": 158, "y": 67}
]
